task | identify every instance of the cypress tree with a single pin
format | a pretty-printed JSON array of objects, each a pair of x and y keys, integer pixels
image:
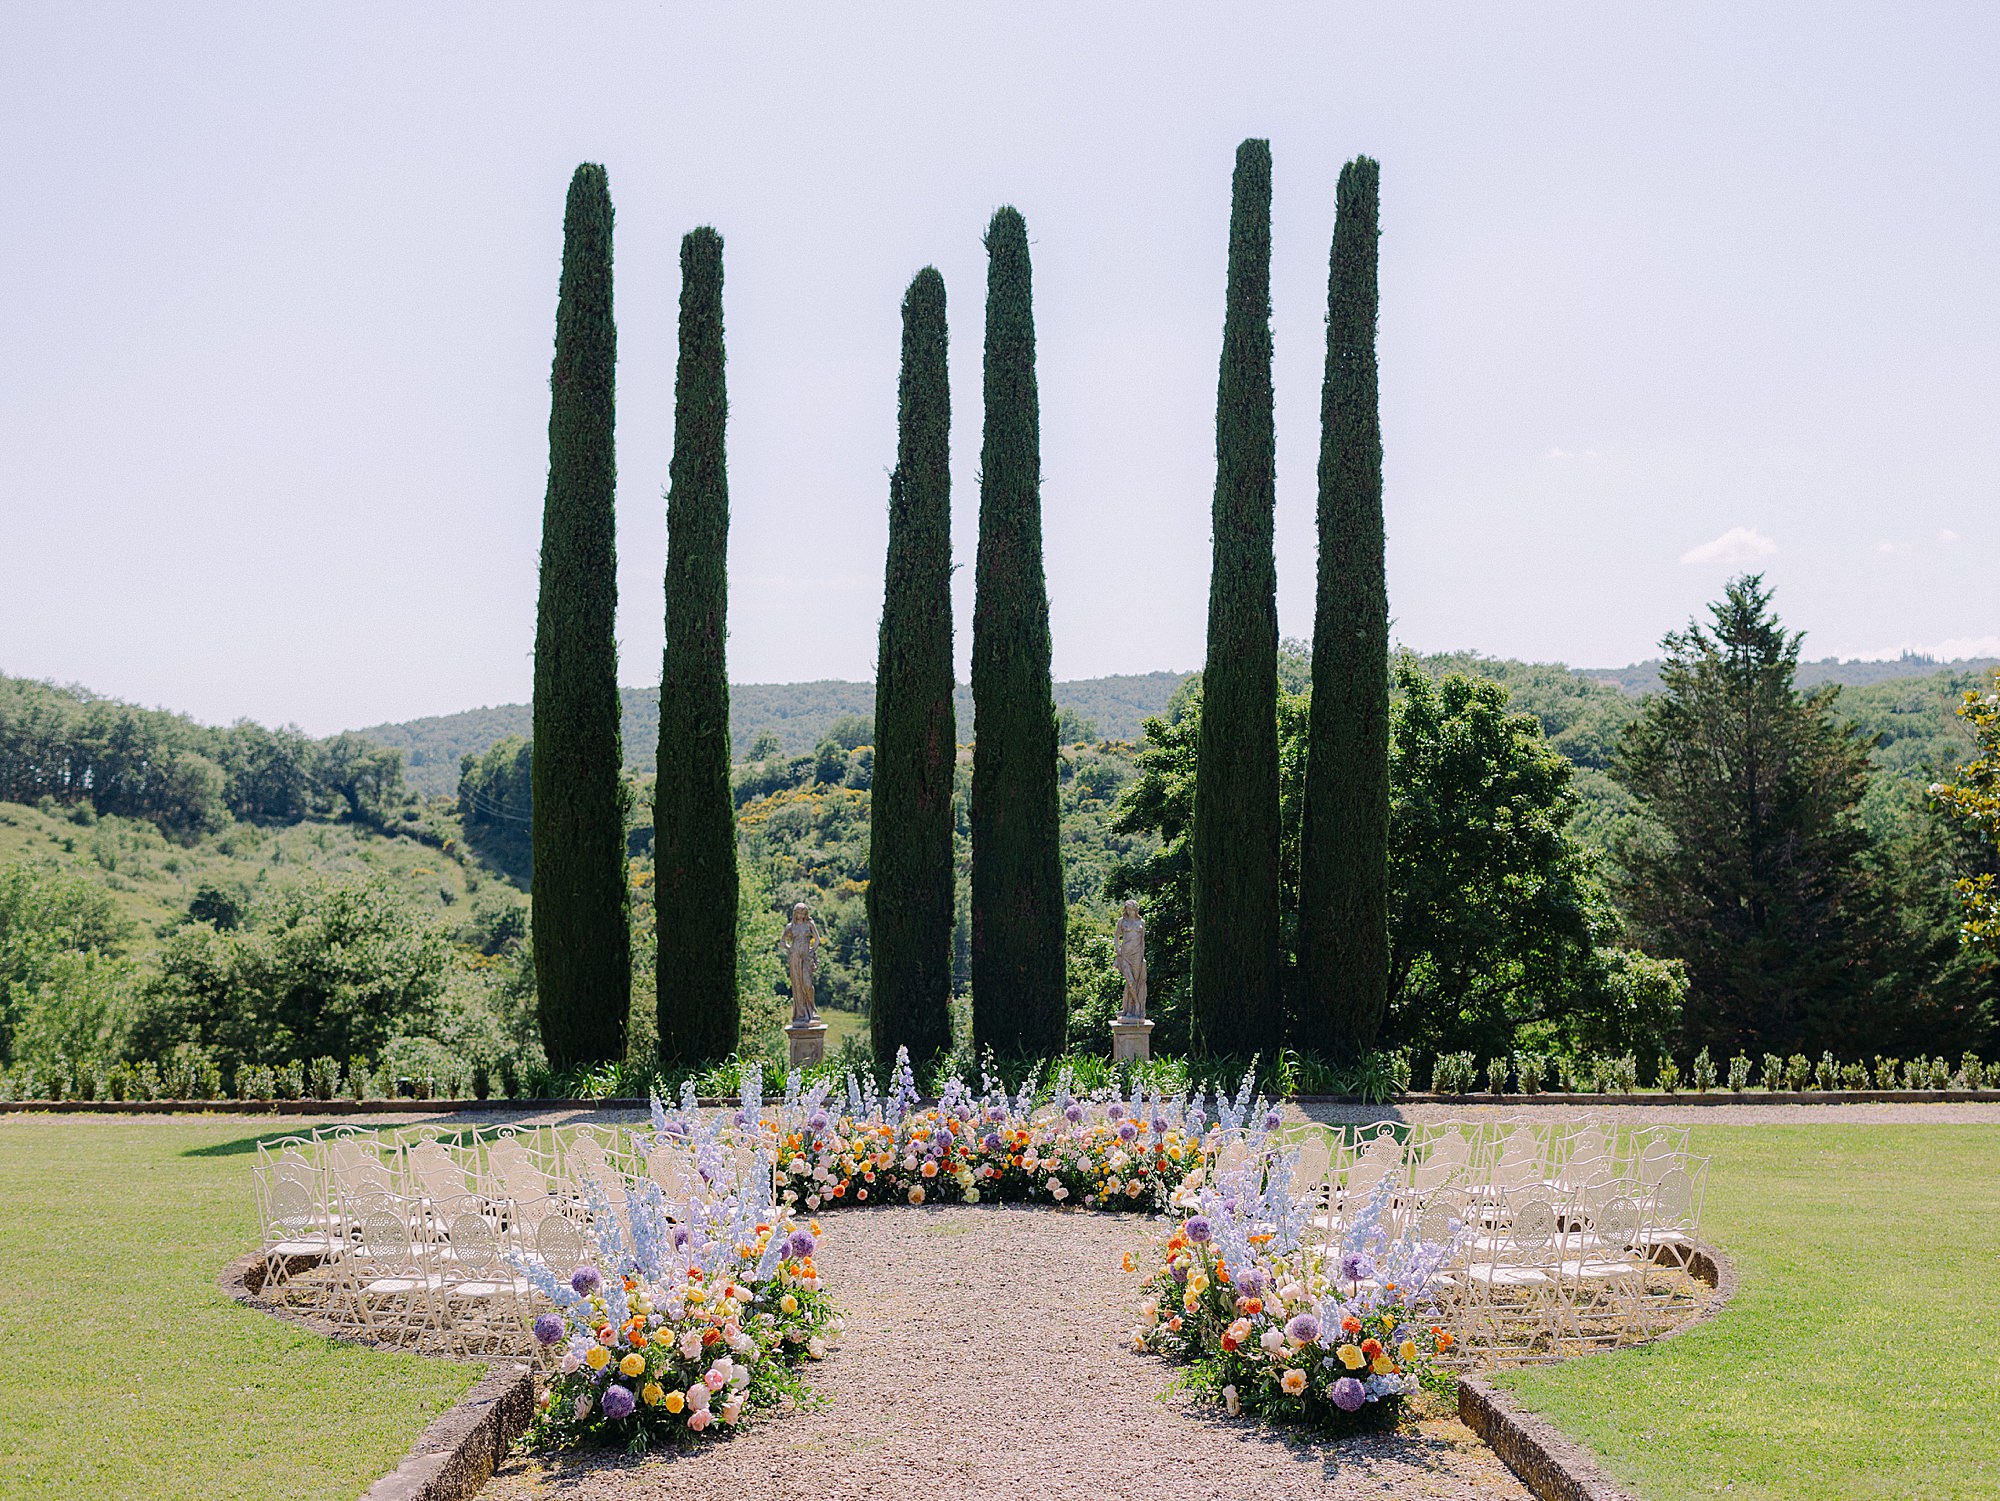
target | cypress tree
[
  {"x": 1344, "y": 851},
  {"x": 1019, "y": 1005},
  {"x": 694, "y": 817},
  {"x": 910, "y": 875},
  {"x": 1237, "y": 973},
  {"x": 583, "y": 964}
]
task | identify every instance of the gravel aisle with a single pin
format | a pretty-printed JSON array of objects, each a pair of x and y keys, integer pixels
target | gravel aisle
[{"x": 985, "y": 1356}]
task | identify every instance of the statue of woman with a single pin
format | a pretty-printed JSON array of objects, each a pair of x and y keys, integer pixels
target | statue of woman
[
  {"x": 1129, "y": 945},
  {"x": 797, "y": 943}
]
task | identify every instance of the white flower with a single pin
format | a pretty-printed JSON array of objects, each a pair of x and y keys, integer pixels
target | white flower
[
  {"x": 570, "y": 1362},
  {"x": 812, "y": 1201},
  {"x": 1230, "y": 1401},
  {"x": 732, "y": 1409},
  {"x": 796, "y": 1165},
  {"x": 1291, "y": 1292},
  {"x": 1272, "y": 1339},
  {"x": 1056, "y": 1186},
  {"x": 816, "y": 1347},
  {"x": 972, "y": 1196},
  {"x": 690, "y": 1343},
  {"x": 583, "y": 1404}
]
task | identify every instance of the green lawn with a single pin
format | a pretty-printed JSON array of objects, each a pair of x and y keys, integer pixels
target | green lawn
[
  {"x": 1861, "y": 1355},
  {"x": 128, "y": 1372}
]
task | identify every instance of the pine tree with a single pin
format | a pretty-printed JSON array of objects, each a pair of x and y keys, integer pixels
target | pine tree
[
  {"x": 1019, "y": 1004},
  {"x": 1344, "y": 856},
  {"x": 583, "y": 965},
  {"x": 1237, "y": 970},
  {"x": 910, "y": 872},
  {"x": 694, "y": 817}
]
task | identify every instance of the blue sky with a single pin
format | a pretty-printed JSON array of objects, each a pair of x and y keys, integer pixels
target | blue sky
[{"x": 1664, "y": 296}]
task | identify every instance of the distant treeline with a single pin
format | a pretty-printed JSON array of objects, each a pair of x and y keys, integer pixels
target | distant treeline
[{"x": 69, "y": 745}]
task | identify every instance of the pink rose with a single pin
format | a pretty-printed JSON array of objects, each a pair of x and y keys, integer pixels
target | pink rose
[{"x": 698, "y": 1419}]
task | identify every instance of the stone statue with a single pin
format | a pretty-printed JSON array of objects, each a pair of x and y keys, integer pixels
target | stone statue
[
  {"x": 1129, "y": 944},
  {"x": 797, "y": 943}
]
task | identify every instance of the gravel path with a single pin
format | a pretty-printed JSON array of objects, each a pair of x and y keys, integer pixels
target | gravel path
[{"x": 985, "y": 1356}]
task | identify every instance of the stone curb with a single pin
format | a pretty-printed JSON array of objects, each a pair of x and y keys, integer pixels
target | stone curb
[
  {"x": 467, "y": 1107},
  {"x": 1553, "y": 1466},
  {"x": 462, "y": 1447}
]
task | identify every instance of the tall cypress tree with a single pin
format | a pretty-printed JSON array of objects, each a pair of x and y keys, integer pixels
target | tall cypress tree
[
  {"x": 1238, "y": 995},
  {"x": 910, "y": 878},
  {"x": 1344, "y": 853},
  {"x": 694, "y": 818},
  {"x": 1018, "y": 1000},
  {"x": 583, "y": 965}
]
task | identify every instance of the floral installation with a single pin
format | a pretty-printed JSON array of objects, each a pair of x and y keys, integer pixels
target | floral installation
[
  {"x": 1269, "y": 1323},
  {"x": 694, "y": 1318}
]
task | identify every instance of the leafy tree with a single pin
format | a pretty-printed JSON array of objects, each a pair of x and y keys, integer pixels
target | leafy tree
[
  {"x": 1019, "y": 1004},
  {"x": 694, "y": 819},
  {"x": 496, "y": 805},
  {"x": 62, "y": 980},
  {"x": 583, "y": 979},
  {"x": 1974, "y": 797},
  {"x": 365, "y": 778},
  {"x": 1238, "y": 977},
  {"x": 915, "y": 731},
  {"x": 1343, "y": 954},
  {"x": 1749, "y": 867}
]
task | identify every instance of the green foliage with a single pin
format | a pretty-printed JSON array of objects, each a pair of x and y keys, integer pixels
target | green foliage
[
  {"x": 1749, "y": 866},
  {"x": 1343, "y": 917},
  {"x": 1237, "y": 971},
  {"x": 496, "y": 805},
  {"x": 65, "y": 989},
  {"x": 915, "y": 734},
  {"x": 1017, "y": 919},
  {"x": 694, "y": 826},
  {"x": 1974, "y": 798},
  {"x": 582, "y": 973}
]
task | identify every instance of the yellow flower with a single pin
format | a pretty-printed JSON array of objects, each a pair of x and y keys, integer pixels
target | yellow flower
[
  {"x": 1381, "y": 1365},
  {"x": 674, "y": 1402},
  {"x": 1408, "y": 1350},
  {"x": 652, "y": 1394},
  {"x": 788, "y": 1303},
  {"x": 696, "y": 1296},
  {"x": 597, "y": 1357},
  {"x": 1197, "y": 1282},
  {"x": 632, "y": 1365},
  {"x": 1293, "y": 1381},
  {"x": 1351, "y": 1357}
]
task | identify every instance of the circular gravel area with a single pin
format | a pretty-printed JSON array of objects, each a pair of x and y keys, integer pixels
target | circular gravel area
[{"x": 986, "y": 1355}]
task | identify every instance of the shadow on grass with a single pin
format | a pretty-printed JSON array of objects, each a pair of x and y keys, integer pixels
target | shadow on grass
[{"x": 241, "y": 1147}]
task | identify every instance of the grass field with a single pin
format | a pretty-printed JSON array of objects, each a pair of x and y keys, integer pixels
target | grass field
[
  {"x": 1858, "y": 1358},
  {"x": 128, "y": 1372}
]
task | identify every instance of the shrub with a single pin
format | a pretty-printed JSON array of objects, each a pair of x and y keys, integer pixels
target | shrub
[
  {"x": 1739, "y": 1074},
  {"x": 1528, "y": 1068},
  {"x": 1452, "y": 1074},
  {"x": 1972, "y": 1072},
  {"x": 1668, "y": 1076},
  {"x": 1496, "y": 1076},
  {"x": 1798, "y": 1072},
  {"x": 1703, "y": 1072},
  {"x": 1854, "y": 1076}
]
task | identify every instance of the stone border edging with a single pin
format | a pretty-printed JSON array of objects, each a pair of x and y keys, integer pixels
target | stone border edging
[
  {"x": 623, "y": 1102},
  {"x": 1553, "y": 1466},
  {"x": 461, "y": 1448}
]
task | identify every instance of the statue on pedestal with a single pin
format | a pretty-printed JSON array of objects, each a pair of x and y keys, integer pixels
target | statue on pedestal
[
  {"x": 798, "y": 943},
  {"x": 1129, "y": 947}
]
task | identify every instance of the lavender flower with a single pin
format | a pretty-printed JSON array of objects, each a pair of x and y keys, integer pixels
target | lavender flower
[
  {"x": 1355, "y": 1267},
  {"x": 617, "y": 1402},
  {"x": 1349, "y": 1394},
  {"x": 548, "y": 1329},
  {"x": 1272, "y": 1120},
  {"x": 682, "y": 1235},
  {"x": 586, "y": 1280},
  {"x": 1304, "y": 1328},
  {"x": 1159, "y": 1125},
  {"x": 1199, "y": 1229}
]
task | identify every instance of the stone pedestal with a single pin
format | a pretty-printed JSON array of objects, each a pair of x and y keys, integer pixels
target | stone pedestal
[
  {"x": 808, "y": 1040},
  {"x": 1131, "y": 1040}
]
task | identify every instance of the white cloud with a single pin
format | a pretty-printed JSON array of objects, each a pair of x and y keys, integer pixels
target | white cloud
[
  {"x": 1740, "y": 544},
  {"x": 1886, "y": 546}
]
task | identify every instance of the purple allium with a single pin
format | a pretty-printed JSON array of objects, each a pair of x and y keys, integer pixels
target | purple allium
[
  {"x": 1349, "y": 1394},
  {"x": 1159, "y": 1125},
  {"x": 618, "y": 1402},
  {"x": 548, "y": 1329},
  {"x": 585, "y": 1280},
  {"x": 1250, "y": 1281},
  {"x": 1304, "y": 1328},
  {"x": 818, "y": 1121},
  {"x": 1199, "y": 1229},
  {"x": 1180, "y": 1273},
  {"x": 1127, "y": 1131},
  {"x": 1272, "y": 1120},
  {"x": 1073, "y": 1114},
  {"x": 1230, "y": 1205},
  {"x": 801, "y": 1244},
  {"x": 1355, "y": 1267},
  {"x": 996, "y": 1113},
  {"x": 992, "y": 1142},
  {"x": 1114, "y": 1111}
]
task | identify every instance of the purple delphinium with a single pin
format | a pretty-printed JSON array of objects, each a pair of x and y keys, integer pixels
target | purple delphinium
[
  {"x": 1349, "y": 1394},
  {"x": 618, "y": 1402},
  {"x": 548, "y": 1329},
  {"x": 682, "y": 1236},
  {"x": 1304, "y": 1328},
  {"x": 1127, "y": 1131},
  {"x": 801, "y": 1244},
  {"x": 585, "y": 1280},
  {"x": 1355, "y": 1267},
  {"x": 1199, "y": 1229},
  {"x": 1073, "y": 1114}
]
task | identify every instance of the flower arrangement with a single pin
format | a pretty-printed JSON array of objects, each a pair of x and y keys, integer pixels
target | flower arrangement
[{"x": 1333, "y": 1337}]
